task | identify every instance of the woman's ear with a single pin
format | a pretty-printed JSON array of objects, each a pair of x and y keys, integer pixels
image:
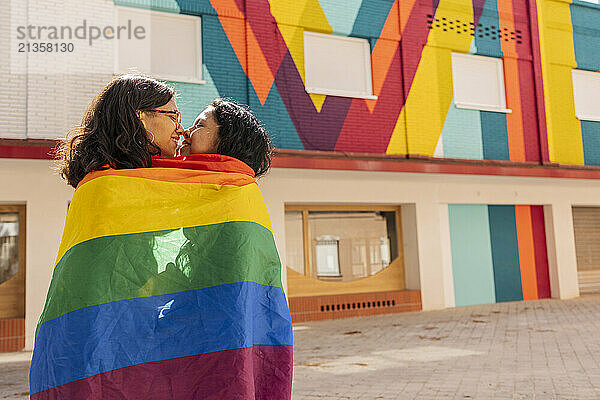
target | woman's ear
[{"x": 142, "y": 117}]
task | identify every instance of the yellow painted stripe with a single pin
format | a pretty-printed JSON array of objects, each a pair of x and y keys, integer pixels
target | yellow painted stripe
[
  {"x": 117, "y": 205},
  {"x": 431, "y": 92},
  {"x": 565, "y": 144}
]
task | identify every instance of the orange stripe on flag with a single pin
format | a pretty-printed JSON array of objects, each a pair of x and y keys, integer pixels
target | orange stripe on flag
[
  {"x": 526, "y": 252},
  {"x": 175, "y": 175}
]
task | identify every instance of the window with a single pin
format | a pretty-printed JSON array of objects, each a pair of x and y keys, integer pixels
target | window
[
  {"x": 336, "y": 65},
  {"x": 328, "y": 260},
  {"x": 12, "y": 263},
  {"x": 586, "y": 86},
  {"x": 9, "y": 246},
  {"x": 170, "y": 48},
  {"x": 338, "y": 243},
  {"x": 478, "y": 83}
]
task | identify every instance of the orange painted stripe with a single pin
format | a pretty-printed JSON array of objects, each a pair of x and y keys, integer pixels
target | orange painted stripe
[
  {"x": 249, "y": 54},
  {"x": 383, "y": 52},
  {"x": 514, "y": 120},
  {"x": 233, "y": 27},
  {"x": 526, "y": 252},
  {"x": 259, "y": 72},
  {"x": 175, "y": 175}
]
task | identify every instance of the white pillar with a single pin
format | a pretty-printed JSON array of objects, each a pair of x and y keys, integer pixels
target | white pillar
[
  {"x": 410, "y": 246},
  {"x": 446, "y": 256},
  {"x": 562, "y": 259},
  {"x": 277, "y": 214},
  {"x": 431, "y": 258}
]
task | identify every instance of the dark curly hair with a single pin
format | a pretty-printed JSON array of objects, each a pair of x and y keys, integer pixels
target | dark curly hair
[
  {"x": 111, "y": 132},
  {"x": 242, "y": 135}
]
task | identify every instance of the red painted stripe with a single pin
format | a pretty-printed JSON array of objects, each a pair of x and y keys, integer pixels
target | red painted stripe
[
  {"x": 539, "y": 83},
  {"x": 27, "y": 152},
  {"x": 383, "y": 163},
  {"x": 527, "y": 92},
  {"x": 260, "y": 372},
  {"x": 531, "y": 137},
  {"x": 541, "y": 253}
]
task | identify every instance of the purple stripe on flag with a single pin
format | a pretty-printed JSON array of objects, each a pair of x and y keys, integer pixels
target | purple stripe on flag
[{"x": 257, "y": 372}]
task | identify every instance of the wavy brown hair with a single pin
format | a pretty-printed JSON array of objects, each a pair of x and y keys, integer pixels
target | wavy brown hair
[
  {"x": 242, "y": 135},
  {"x": 111, "y": 134}
]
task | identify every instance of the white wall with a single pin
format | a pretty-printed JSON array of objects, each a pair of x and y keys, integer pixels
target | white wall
[
  {"x": 33, "y": 183},
  {"x": 43, "y": 95}
]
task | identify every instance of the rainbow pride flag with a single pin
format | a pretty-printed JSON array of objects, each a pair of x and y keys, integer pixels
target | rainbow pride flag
[{"x": 167, "y": 285}]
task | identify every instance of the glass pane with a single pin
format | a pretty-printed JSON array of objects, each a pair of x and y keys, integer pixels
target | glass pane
[
  {"x": 328, "y": 263},
  {"x": 349, "y": 245},
  {"x": 9, "y": 246},
  {"x": 294, "y": 247}
]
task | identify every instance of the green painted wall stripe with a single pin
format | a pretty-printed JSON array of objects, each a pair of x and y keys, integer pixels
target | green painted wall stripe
[
  {"x": 113, "y": 268},
  {"x": 505, "y": 253},
  {"x": 471, "y": 254}
]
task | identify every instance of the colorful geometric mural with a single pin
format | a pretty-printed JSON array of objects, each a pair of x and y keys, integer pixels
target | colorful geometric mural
[
  {"x": 254, "y": 51},
  {"x": 569, "y": 38},
  {"x": 498, "y": 253}
]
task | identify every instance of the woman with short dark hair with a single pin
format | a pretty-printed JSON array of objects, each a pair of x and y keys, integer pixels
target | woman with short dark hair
[{"x": 229, "y": 128}]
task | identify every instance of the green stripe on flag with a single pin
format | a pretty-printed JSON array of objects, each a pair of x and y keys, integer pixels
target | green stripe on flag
[{"x": 113, "y": 268}]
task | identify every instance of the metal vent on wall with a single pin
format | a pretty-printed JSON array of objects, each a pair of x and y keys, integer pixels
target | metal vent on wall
[
  {"x": 358, "y": 305},
  {"x": 482, "y": 31}
]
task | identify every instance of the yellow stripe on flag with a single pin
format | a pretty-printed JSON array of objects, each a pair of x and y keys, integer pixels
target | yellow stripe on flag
[{"x": 118, "y": 205}]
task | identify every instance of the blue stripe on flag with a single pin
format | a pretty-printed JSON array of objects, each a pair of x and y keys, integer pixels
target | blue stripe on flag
[{"x": 123, "y": 333}]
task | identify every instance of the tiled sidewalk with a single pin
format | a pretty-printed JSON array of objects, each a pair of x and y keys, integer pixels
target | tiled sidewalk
[{"x": 545, "y": 349}]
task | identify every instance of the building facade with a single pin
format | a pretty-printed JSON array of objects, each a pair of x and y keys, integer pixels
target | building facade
[{"x": 430, "y": 154}]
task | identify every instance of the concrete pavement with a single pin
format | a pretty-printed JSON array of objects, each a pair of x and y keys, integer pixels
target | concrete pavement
[{"x": 546, "y": 349}]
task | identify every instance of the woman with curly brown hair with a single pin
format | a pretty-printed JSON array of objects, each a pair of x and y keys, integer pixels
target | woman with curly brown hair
[{"x": 132, "y": 119}]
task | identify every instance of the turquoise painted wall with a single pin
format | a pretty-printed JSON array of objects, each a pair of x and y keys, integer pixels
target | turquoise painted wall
[{"x": 472, "y": 265}]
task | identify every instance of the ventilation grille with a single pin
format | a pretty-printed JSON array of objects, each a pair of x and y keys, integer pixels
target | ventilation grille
[
  {"x": 358, "y": 305},
  {"x": 482, "y": 31}
]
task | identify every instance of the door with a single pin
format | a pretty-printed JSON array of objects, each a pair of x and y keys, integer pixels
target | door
[
  {"x": 586, "y": 223},
  {"x": 12, "y": 277}
]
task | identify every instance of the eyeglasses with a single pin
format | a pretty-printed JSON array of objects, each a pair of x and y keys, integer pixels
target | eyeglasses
[{"x": 171, "y": 114}]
